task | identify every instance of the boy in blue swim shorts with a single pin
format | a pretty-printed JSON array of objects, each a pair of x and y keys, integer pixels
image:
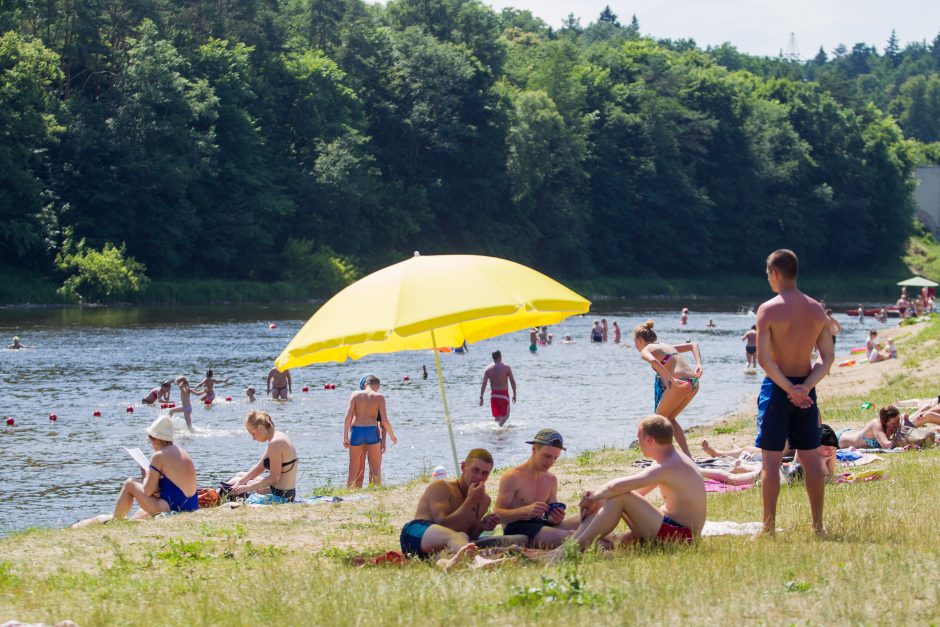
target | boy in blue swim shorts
[{"x": 789, "y": 327}]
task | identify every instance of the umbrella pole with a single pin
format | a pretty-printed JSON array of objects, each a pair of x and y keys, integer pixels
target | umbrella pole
[{"x": 440, "y": 380}]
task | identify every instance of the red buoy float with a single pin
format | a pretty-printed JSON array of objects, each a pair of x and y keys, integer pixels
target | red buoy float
[
  {"x": 96, "y": 414},
  {"x": 10, "y": 421},
  {"x": 53, "y": 417}
]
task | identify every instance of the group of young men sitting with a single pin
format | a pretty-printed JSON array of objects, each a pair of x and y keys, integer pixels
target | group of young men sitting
[{"x": 453, "y": 513}]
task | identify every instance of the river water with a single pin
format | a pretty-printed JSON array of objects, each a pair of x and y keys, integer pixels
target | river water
[{"x": 83, "y": 360}]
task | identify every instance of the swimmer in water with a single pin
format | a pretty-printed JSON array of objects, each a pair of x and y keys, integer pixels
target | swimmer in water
[
  {"x": 186, "y": 403},
  {"x": 161, "y": 394},
  {"x": 750, "y": 349},
  {"x": 206, "y": 387},
  {"x": 684, "y": 318},
  {"x": 280, "y": 383},
  {"x": 250, "y": 394},
  {"x": 16, "y": 345}
]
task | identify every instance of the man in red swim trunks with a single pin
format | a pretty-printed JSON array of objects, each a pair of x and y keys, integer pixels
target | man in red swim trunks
[
  {"x": 499, "y": 376},
  {"x": 682, "y": 515}
]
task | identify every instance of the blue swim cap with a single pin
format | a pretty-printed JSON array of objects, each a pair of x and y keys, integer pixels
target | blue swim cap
[{"x": 362, "y": 381}]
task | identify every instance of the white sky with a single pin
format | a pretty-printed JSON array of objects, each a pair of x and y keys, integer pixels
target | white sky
[{"x": 758, "y": 26}]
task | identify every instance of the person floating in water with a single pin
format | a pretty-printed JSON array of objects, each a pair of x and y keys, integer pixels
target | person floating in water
[
  {"x": 16, "y": 345},
  {"x": 499, "y": 376},
  {"x": 711, "y": 324},
  {"x": 250, "y": 394},
  {"x": 684, "y": 318}
]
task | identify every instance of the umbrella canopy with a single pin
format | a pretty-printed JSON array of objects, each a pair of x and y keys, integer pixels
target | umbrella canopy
[
  {"x": 427, "y": 303},
  {"x": 918, "y": 281},
  {"x": 460, "y": 297}
]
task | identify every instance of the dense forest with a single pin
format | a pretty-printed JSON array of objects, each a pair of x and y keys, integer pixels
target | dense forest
[{"x": 313, "y": 140}]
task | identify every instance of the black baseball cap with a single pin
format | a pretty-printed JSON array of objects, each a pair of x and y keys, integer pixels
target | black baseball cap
[{"x": 548, "y": 437}]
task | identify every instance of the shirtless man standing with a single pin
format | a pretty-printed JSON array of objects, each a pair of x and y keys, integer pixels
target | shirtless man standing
[
  {"x": 680, "y": 519},
  {"x": 499, "y": 376},
  {"x": 364, "y": 432},
  {"x": 789, "y": 326},
  {"x": 280, "y": 383},
  {"x": 750, "y": 349},
  {"x": 526, "y": 503},
  {"x": 452, "y": 513}
]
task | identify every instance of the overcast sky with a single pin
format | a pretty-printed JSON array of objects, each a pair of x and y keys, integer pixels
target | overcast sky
[{"x": 759, "y": 26}]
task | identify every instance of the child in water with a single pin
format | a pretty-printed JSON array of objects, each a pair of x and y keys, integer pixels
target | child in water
[
  {"x": 186, "y": 403},
  {"x": 207, "y": 386},
  {"x": 161, "y": 394},
  {"x": 250, "y": 394}
]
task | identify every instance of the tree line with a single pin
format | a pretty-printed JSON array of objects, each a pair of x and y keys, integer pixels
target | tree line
[{"x": 313, "y": 140}]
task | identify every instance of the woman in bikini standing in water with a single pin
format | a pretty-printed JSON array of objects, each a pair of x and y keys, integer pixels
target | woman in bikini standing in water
[{"x": 676, "y": 383}]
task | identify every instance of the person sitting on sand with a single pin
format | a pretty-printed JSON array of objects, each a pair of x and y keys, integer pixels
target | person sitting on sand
[
  {"x": 891, "y": 350},
  {"x": 161, "y": 394},
  {"x": 676, "y": 384},
  {"x": 682, "y": 515},
  {"x": 878, "y": 433},
  {"x": 279, "y": 384},
  {"x": 870, "y": 342},
  {"x": 526, "y": 502},
  {"x": 279, "y": 459},
  {"x": 451, "y": 514},
  {"x": 169, "y": 485},
  {"x": 877, "y": 354},
  {"x": 186, "y": 404},
  {"x": 747, "y": 471}
]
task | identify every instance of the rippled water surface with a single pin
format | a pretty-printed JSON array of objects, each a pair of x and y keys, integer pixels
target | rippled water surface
[{"x": 52, "y": 474}]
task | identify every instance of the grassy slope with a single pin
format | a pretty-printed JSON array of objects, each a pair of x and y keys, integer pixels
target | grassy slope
[{"x": 290, "y": 565}]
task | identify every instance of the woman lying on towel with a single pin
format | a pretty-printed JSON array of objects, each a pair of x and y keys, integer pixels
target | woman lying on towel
[
  {"x": 878, "y": 433},
  {"x": 279, "y": 459},
  {"x": 169, "y": 484},
  {"x": 744, "y": 472}
]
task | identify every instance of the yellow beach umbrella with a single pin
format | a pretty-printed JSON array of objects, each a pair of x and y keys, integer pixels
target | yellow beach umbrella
[{"x": 430, "y": 302}]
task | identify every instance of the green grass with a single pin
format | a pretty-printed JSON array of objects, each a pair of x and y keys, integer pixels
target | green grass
[{"x": 294, "y": 566}]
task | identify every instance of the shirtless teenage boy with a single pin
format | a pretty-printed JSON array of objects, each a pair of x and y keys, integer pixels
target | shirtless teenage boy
[
  {"x": 526, "y": 503},
  {"x": 499, "y": 376},
  {"x": 452, "y": 513},
  {"x": 364, "y": 431},
  {"x": 682, "y": 516},
  {"x": 280, "y": 383},
  {"x": 789, "y": 326}
]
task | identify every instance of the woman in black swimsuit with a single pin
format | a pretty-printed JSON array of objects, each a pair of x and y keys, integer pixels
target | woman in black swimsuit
[{"x": 279, "y": 459}]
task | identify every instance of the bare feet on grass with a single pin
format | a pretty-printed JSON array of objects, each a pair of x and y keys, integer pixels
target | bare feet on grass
[{"x": 465, "y": 554}]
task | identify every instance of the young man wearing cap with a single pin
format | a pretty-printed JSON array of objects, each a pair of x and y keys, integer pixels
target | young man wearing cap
[
  {"x": 789, "y": 327},
  {"x": 682, "y": 515},
  {"x": 527, "y": 494},
  {"x": 169, "y": 483},
  {"x": 499, "y": 376},
  {"x": 452, "y": 513}
]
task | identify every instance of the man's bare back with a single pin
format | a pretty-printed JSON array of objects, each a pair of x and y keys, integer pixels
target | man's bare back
[
  {"x": 366, "y": 406},
  {"x": 683, "y": 491},
  {"x": 498, "y": 375},
  {"x": 793, "y": 323}
]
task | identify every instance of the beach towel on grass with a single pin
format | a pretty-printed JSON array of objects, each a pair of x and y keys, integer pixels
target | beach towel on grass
[
  {"x": 731, "y": 528},
  {"x": 264, "y": 500},
  {"x": 716, "y": 486},
  {"x": 861, "y": 477},
  {"x": 862, "y": 460}
]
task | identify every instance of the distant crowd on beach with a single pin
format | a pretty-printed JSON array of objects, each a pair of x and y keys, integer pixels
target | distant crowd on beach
[{"x": 792, "y": 340}]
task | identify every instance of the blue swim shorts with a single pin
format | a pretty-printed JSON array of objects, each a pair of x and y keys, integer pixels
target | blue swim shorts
[
  {"x": 411, "y": 535},
  {"x": 364, "y": 435},
  {"x": 779, "y": 420}
]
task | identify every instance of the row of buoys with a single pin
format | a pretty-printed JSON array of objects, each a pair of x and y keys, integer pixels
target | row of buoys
[{"x": 167, "y": 405}]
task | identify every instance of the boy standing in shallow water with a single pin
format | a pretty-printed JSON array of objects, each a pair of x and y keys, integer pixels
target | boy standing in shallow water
[
  {"x": 186, "y": 404},
  {"x": 789, "y": 326}
]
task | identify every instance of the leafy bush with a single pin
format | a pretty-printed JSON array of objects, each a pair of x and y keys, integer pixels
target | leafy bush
[
  {"x": 320, "y": 268},
  {"x": 98, "y": 275}
]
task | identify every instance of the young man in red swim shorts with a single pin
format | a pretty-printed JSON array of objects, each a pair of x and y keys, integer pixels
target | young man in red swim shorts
[
  {"x": 682, "y": 515},
  {"x": 499, "y": 376}
]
